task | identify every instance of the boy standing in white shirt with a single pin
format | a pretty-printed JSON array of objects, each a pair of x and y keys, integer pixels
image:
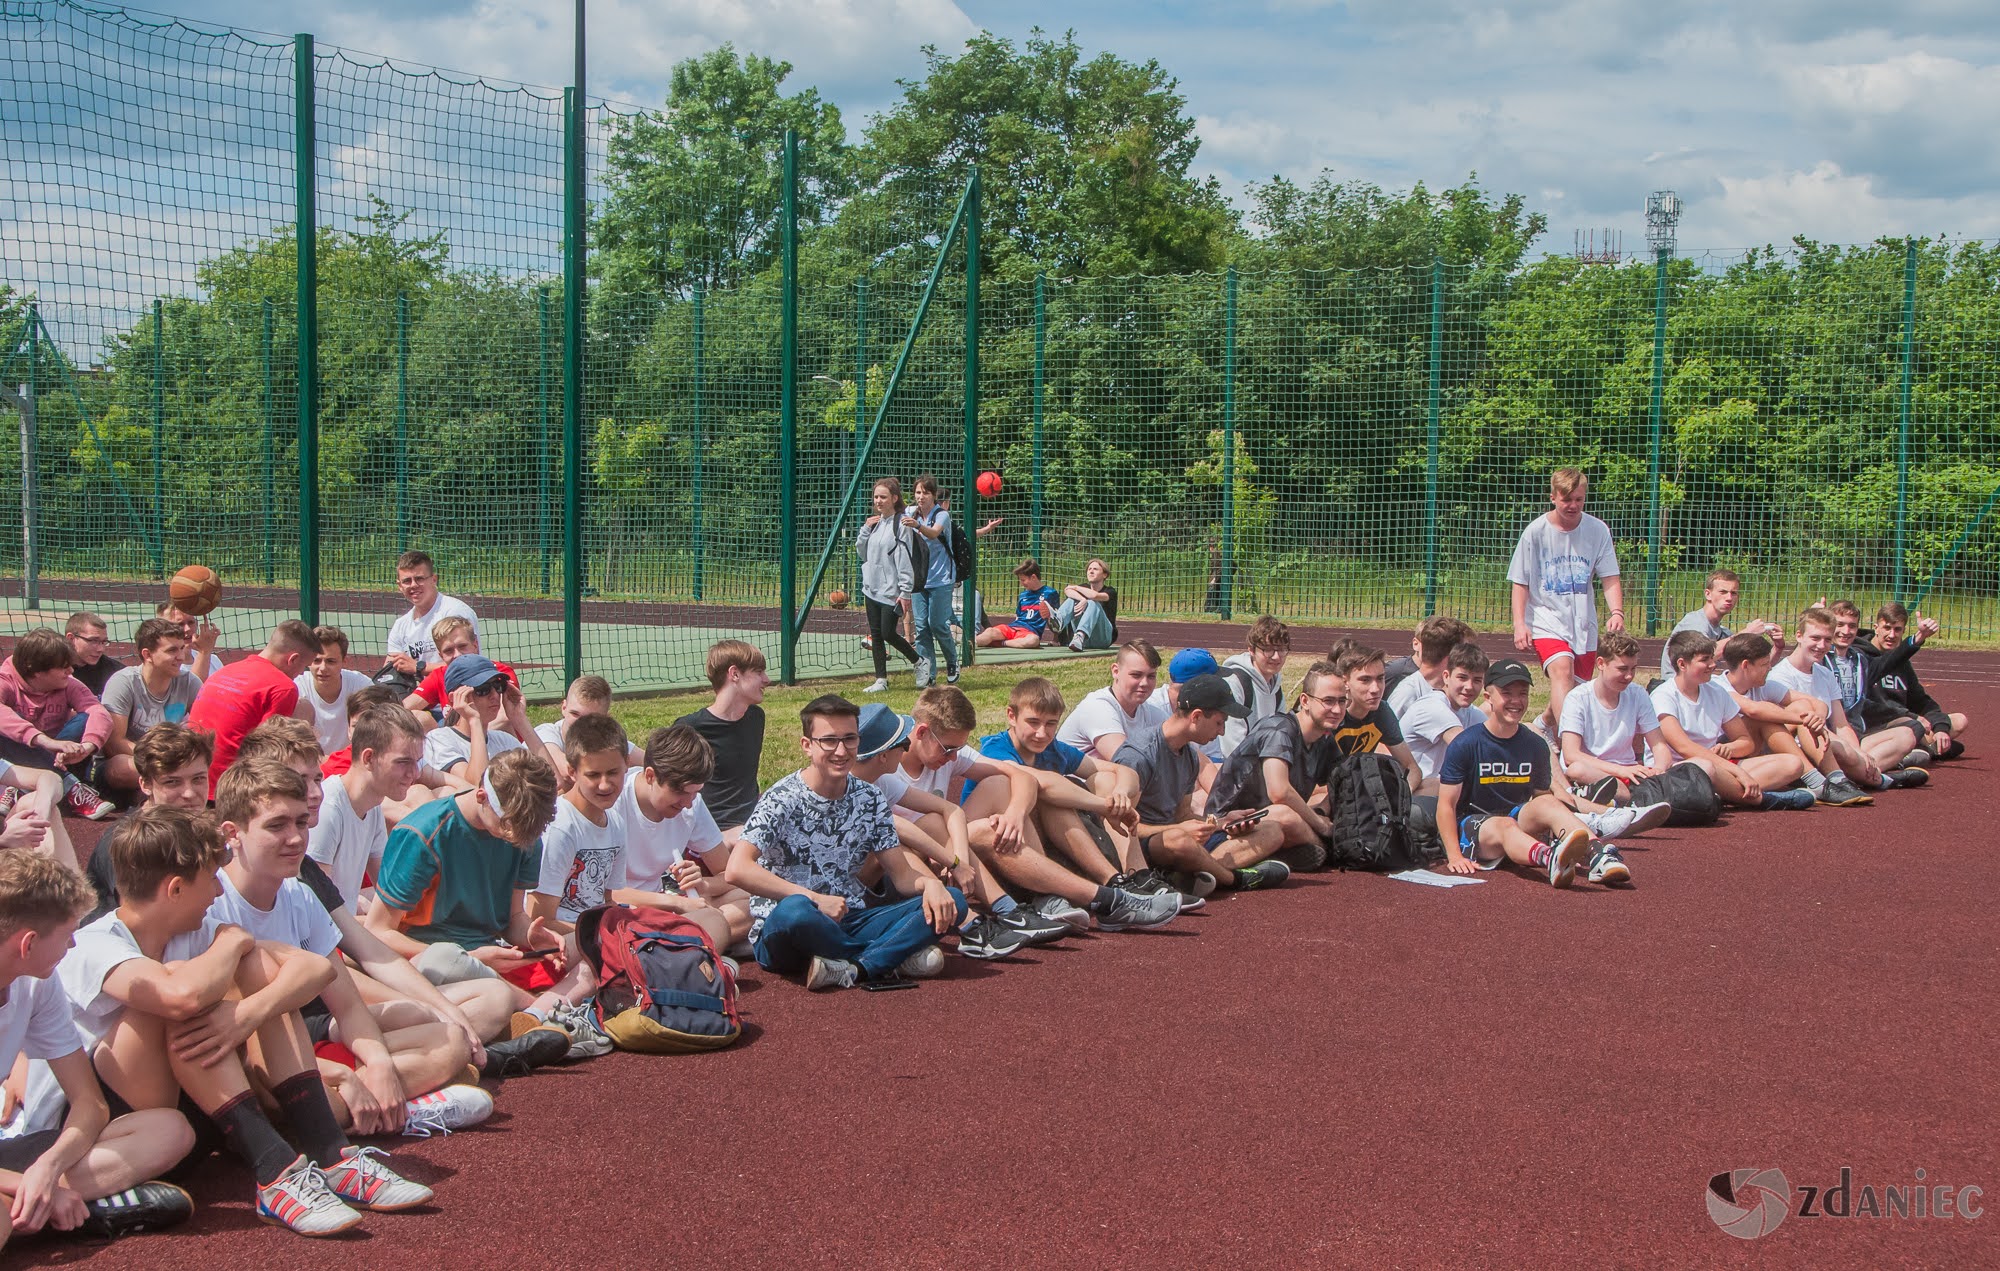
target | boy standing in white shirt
[{"x": 1555, "y": 605}]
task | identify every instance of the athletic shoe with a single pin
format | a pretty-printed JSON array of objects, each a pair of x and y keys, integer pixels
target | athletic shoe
[
  {"x": 1034, "y": 928},
  {"x": 926, "y": 963},
  {"x": 361, "y": 1179},
  {"x": 140, "y": 1207},
  {"x": 1607, "y": 866},
  {"x": 867, "y": 642},
  {"x": 1565, "y": 854},
  {"x": 1055, "y": 907},
  {"x": 586, "y": 1039},
  {"x": 300, "y": 1199},
  {"x": 538, "y": 1047},
  {"x": 1603, "y": 790},
  {"x": 1076, "y": 643},
  {"x": 879, "y": 686},
  {"x": 1264, "y": 874},
  {"x": 1301, "y": 858},
  {"x": 1619, "y": 822},
  {"x": 735, "y": 967},
  {"x": 987, "y": 937},
  {"x": 1198, "y": 884},
  {"x": 831, "y": 973},
  {"x": 1789, "y": 800},
  {"x": 1906, "y": 778},
  {"x": 88, "y": 803},
  {"x": 442, "y": 1111},
  {"x": 1842, "y": 793},
  {"x": 9, "y": 796},
  {"x": 1151, "y": 882},
  {"x": 926, "y": 671},
  {"x": 951, "y": 675},
  {"x": 1915, "y": 759},
  {"x": 1130, "y": 909}
]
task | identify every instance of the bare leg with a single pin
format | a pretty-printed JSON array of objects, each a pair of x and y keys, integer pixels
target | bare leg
[{"x": 1562, "y": 678}]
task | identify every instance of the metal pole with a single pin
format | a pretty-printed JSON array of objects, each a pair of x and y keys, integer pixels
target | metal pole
[
  {"x": 270, "y": 458},
  {"x": 573, "y": 371},
  {"x": 1431, "y": 440},
  {"x": 307, "y": 232},
  {"x": 970, "y": 477},
  {"x": 1228, "y": 440},
  {"x": 1041, "y": 352},
  {"x": 31, "y": 571},
  {"x": 860, "y": 402},
  {"x": 700, "y": 444},
  {"x": 1657, "y": 530},
  {"x": 159, "y": 427},
  {"x": 788, "y": 424},
  {"x": 1902, "y": 567},
  {"x": 402, "y": 421},
  {"x": 544, "y": 375}
]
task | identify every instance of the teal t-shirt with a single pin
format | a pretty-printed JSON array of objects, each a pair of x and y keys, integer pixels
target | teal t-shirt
[{"x": 455, "y": 882}]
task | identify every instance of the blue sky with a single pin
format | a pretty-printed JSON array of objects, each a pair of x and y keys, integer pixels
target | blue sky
[{"x": 1832, "y": 118}]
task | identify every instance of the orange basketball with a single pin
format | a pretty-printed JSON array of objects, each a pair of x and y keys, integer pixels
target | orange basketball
[
  {"x": 195, "y": 590},
  {"x": 837, "y": 598}
]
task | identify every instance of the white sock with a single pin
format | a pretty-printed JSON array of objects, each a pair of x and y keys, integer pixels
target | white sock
[{"x": 1815, "y": 780}]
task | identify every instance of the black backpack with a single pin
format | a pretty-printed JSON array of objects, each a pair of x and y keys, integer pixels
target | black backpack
[
  {"x": 961, "y": 551},
  {"x": 1686, "y": 789},
  {"x": 1368, "y": 802},
  {"x": 919, "y": 549}
]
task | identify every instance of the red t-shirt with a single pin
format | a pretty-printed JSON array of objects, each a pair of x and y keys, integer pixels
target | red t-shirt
[
  {"x": 234, "y": 700},
  {"x": 432, "y": 689},
  {"x": 337, "y": 763}
]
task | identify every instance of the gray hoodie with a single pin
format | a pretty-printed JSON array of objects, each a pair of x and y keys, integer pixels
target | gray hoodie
[{"x": 884, "y": 548}]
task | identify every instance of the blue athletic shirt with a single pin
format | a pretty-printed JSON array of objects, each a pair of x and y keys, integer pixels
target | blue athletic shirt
[
  {"x": 1495, "y": 775},
  {"x": 1060, "y": 757}
]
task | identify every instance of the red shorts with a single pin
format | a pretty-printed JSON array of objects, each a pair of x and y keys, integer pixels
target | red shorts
[
  {"x": 1009, "y": 631},
  {"x": 1549, "y": 650},
  {"x": 534, "y": 977},
  {"x": 337, "y": 1053}
]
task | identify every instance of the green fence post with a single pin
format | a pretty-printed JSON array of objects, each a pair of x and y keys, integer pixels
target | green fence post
[
  {"x": 159, "y": 451},
  {"x": 542, "y": 425},
  {"x": 1656, "y": 531},
  {"x": 1227, "y": 597},
  {"x": 270, "y": 459},
  {"x": 1902, "y": 578},
  {"x": 788, "y": 423},
  {"x": 1431, "y": 440},
  {"x": 31, "y": 554},
  {"x": 700, "y": 548},
  {"x": 1041, "y": 353},
  {"x": 305, "y": 164},
  {"x": 970, "y": 477},
  {"x": 573, "y": 371},
  {"x": 847, "y": 444},
  {"x": 402, "y": 421}
]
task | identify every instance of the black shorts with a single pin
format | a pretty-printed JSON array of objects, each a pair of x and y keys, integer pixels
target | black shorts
[
  {"x": 19, "y": 1153},
  {"x": 319, "y": 1020}
]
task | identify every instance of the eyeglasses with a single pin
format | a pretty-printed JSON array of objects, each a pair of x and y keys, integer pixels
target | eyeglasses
[
  {"x": 846, "y": 741},
  {"x": 1328, "y": 702}
]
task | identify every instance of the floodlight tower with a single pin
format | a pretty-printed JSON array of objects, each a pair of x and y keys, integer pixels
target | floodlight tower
[{"x": 1663, "y": 216}]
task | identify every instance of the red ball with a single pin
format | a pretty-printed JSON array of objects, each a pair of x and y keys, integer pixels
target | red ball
[{"x": 989, "y": 484}]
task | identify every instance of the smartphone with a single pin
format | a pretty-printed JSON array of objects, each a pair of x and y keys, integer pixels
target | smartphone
[
  {"x": 536, "y": 955},
  {"x": 888, "y": 984}
]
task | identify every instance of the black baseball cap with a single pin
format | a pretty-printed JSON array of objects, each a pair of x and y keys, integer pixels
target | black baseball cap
[
  {"x": 1211, "y": 693},
  {"x": 1508, "y": 671}
]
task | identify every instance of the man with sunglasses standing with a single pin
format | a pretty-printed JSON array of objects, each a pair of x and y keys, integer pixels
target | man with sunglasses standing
[{"x": 802, "y": 853}]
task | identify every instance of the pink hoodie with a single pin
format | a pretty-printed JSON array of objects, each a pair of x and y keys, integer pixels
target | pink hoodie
[{"x": 24, "y": 714}]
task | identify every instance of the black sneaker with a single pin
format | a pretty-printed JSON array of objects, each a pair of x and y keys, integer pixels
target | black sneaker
[
  {"x": 1152, "y": 882},
  {"x": 1130, "y": 909},
  {"x": 1842, "y": 793},
  {"x": 1034, "y": 928},
  {"x": 1603, "y": 790},
  {"x": 1303, "y": 857},
  {"x": 1264, "y": 874},
  {"x": 536, "y": 1048},
  {"x": 987, "y": 937},
  {"x": 1906, "y": 778},
  {"x": 140, "y": 1207}
]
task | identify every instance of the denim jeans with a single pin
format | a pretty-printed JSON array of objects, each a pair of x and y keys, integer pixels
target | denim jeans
[
  {"x": 1088, "y": 617},
  {"x": 877, "y": 938},
  {"x": 930, "y": 610},
  {"x": 27, "y": 756}
]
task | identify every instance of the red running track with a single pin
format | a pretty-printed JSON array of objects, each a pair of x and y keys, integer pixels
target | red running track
[{"x": 1350, "y": 1071}]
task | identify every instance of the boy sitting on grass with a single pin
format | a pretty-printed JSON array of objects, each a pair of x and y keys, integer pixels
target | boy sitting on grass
[
  {"x": 1702, "y": 724},
  {"x": 489, "y": 720},
  {"x": 336, "y": 762},
  {"x": 325, "y": 687},
  {"x": 587, "y": 695},
  {"x": 1033, "y": 610},
  {"x": 1495, "y": 788}
]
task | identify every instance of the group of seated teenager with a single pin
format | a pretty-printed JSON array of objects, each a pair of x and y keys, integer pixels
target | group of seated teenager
[{"x": 337, "y": 906}]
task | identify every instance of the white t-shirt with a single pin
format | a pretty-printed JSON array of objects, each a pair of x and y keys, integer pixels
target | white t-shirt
[
  {"x": 581, "y": 861},
  {"x": 938, "y": 780},
  {"x": 36, "y": 1021},
  {"x": 343, "y": 843},
  {"x": 1701, "y": 719},
  {"x": 1820, "y": 682},
  {"x": 295, "y": 918},
  {"x": 551, "y": 734},
  {"x": 1426, "y": 718},
  {"x": 1099, "y": 713},
  {"x": 1555, "y": 566},
  {"x": 446, "y": 748},
  {"x": 1608, "y": 731},
  {"x": 894, "y": 785},
  {"x": 330, "y": 718},
  {"x": 654, "y": 847},
  {"x": 412, "y": 632},
  {"x": 1407, "y": 690}
]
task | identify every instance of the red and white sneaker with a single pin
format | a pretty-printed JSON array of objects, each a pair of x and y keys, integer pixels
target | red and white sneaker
[
  {"x": 299, "y": 1199},
  {"x": 88, "y": 803},
  {"x": 362, "y": 1181},
  {"x": 442, "y": 1111},
  {"x": 9, "y": 796}
]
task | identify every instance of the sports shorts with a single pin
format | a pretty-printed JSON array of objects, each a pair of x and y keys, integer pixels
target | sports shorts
[
  {"x": 1549, "y": 650},
  {"x": 1011, "y": 631},
  {"x": 1468, "y": 835},
  {"x": 531, "y": 978},
  {"x": 1151, "y": 843}
]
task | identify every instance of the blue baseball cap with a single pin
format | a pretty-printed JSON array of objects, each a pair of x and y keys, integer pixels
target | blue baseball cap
[
  {"x": 1189, "y": 663},
  {"x": 882, "y": 729},
  {"x": 469, "y": 670}
]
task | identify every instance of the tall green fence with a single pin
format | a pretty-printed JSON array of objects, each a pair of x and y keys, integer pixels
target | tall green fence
[{"x": 1353, "y": 447}]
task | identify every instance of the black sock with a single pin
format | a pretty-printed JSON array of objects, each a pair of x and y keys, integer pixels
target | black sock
[
  {"x": 246, "y": 1132},
  {"x": 1100, "y": 904},
  {"x": 303, "y": 1101}
]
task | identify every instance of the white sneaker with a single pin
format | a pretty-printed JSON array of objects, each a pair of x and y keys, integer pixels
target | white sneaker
[
  {"x": 360, "y": 1179},
  {"x": 1608, "y": 867},
  {"x": 442, "y": 1111},
  {"x": 1651, "y": 817},
  {"x": 879, "y": 686},
  {"x": 926, "y": 963},
  {"x": 300, "y": 1199},
  {"x": 831, "y": 973},
  {"x": 1076, "y": 643},
  {"x": 926, "y": 670}
]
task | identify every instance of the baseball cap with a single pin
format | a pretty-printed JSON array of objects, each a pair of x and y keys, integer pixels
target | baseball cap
[
  {"x": 469, "y": 670},
  {"x": 1189, "y": 663},
  {"x": 1211, "y": 693},
  {"x": 882, "y": 728},
  {"x": 1508, "y": 671}
]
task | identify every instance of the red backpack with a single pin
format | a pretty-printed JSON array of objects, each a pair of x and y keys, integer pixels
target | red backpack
[{"x": 661, "y": 988}]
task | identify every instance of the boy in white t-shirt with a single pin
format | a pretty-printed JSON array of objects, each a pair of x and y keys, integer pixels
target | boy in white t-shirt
[
  {"x": 587, "y": 695},
  {"x": 411, "y": 649},
  {"x": 1833, "y": 754},
  {"x": 1103, "y": 719},
  {"x": 1603, "y": 724},
  {"x": 1432, "y": 715},
  {"x": 669, "y": 832},
  {"x": 325, "y": 687},
  {"x": 1555, "y": 605},
  {"x": 1700, "y": 723},
  {"x": 88, "y": 1173}
]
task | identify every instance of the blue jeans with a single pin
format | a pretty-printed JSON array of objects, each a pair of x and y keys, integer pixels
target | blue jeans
[
  {"x": 27, "y": 756},
  {"x": 930, "y": 611},
  {"x": 1089, "y": 618},
  {"x": 877, "y": 938}
]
